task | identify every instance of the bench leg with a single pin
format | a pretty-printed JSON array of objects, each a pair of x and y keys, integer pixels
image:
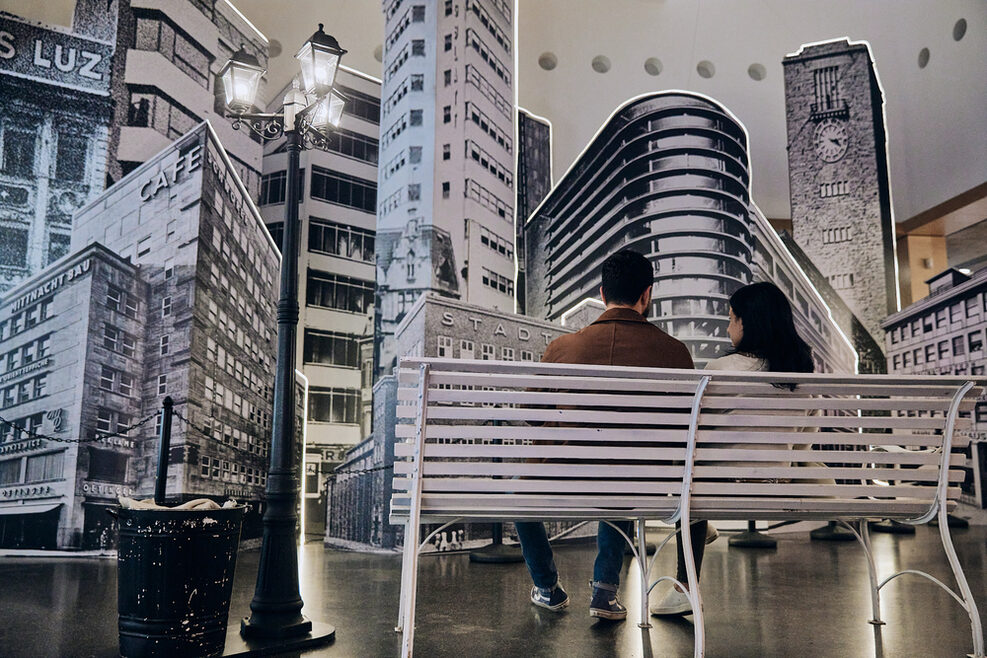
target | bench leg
[
  {"x": 968, "y": 602},
  {"x": 875, "y": 592},
  {"x": 697, "y": 602},
  {"x": 642, "y": 558},
  {"x": 409, "y": 589}
]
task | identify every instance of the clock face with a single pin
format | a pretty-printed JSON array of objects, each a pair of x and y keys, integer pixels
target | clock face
[{"x": 831, "y": 140}]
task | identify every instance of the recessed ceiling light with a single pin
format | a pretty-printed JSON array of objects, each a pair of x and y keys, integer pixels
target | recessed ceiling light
[
  {"x": 756, "y": 71},
  {"x": 548, "y": 61},
  {"x": 379, "y": 53},
  {"x": 706, "y": 69},
  {"x": 923, "y": 58},
  {"x": 601, "y": 64},
  {"x": 274, "y": 48},
  {"x": 959, "y": 29},
  {"x": 652, "y": 65}
]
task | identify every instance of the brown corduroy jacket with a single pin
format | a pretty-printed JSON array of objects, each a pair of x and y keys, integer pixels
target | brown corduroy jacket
[{"x": 620, "y": 337}]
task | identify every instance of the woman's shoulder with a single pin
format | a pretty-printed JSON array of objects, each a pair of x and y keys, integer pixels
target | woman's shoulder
[{"x": 736, "y": 361}]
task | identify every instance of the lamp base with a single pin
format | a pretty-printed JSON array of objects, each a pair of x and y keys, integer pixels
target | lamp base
[{"x": 237, "y": 645}]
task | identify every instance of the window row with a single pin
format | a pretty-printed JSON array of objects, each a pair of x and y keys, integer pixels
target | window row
[
  {"x": 837, "y": 188},
  {"x": 37, "y": 468},
  {"x": 957, "y": 346},
  {"x": 839, "y": 234},
  {"x": 226, "y": 397},
  {"x": 119, "y": 341},
  {"x": 488, "y": 352},
  {"x": 117, "y": 381},
  {"x": 241, "y": 373},
  {"x": 477, "y": 116},
  {"x": 333, "y": 405},
  {"x": 122, "y": 302},
  {"x": 354, "y": 145},
  {"x": 24, "y": 391},
  {"x": 329, "y": 348},
  {"x": 30, "y": 317},
  {"x": 488, "y": 162},
  {"x": 360, "y": 105},
  {"x": 227, "y": 471},
  {"x": 500, "y": 245},
  {"x": 498, "y": 282},
  {"x": 488, "y": 199},
  {"x": 13, "y": 359},
  {"x": 21, "y": 428},
  {"x": 109, "y": 421},
  {"x": 273, "y": 187},
  {"x": 415, "y": 14},
  {"x": 398, "y": 127},
  {"x": 340, "y": 240},
  {"x": 475, "y": 78},
  {"x": 414, "y": 82},
  {"x": 346, "y": 190},
  {"x": 498, "y": 34},
  {"x": 474, "y": 41},
  {"x": 238, "y": 439},
  {"x": 943, "y": 317},
  {"x": 339, "y": 292}
]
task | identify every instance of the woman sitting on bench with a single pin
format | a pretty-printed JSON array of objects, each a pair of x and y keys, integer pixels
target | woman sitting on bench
[{"x": 763, "y": 335}]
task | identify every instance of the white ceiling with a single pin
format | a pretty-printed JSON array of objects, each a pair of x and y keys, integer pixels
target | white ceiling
[{"x": 937, "y": 116}]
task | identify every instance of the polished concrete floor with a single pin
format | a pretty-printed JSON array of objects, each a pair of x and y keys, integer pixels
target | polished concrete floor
[{"x": 804, "y": 598}]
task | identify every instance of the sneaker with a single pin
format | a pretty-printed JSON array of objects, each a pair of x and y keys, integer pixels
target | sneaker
[
  {"x": 675, "y": 603},
  {"x": 552, "y": 599},
  {"x": 711, "y": 533},
  {"x": 605, "y": 605}
]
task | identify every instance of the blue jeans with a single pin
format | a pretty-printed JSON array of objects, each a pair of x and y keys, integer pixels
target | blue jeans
[{"x": 541, "y": 564}]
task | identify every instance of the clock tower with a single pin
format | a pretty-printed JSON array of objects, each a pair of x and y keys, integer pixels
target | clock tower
[{"x": 838, "y": 170}]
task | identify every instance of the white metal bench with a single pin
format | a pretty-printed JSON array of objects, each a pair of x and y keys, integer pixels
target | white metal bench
[{"x": 501, "y": 441}]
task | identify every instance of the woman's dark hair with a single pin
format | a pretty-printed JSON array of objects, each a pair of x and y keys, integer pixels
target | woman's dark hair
[{"x": 769, "y": 330}]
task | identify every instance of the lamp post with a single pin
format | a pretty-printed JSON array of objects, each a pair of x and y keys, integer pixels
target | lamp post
[{"x": 308, "y": 116}]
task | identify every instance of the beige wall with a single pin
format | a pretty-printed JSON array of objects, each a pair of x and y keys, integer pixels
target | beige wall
[{"x": 920, "y": 257}]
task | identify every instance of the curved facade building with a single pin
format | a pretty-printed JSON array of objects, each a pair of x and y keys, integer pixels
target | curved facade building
[{"x": 668, "y": 175}]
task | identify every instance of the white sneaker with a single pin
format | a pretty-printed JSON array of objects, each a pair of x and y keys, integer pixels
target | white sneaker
[
  {"x": 711, "y": 533},
  {"x": 675, "y": 603}
]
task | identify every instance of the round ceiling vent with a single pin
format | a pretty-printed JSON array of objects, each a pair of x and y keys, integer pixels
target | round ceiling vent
[
  {"x": 923, "y": 58},
  {"x": 705, "y": 69},
  {"x": 959, "y": 30},
  {"x": 653, "y": 66},
  {"x": 548, "y": 61},
  {"x": 379, "y": 53},
  {"x": 601, "y": 64},
  {"x": 757, "y": 71},
  {"x": 273, "y": 48}
]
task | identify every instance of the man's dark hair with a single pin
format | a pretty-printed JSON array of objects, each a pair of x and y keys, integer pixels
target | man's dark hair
[{"x": 625, "y": 276}]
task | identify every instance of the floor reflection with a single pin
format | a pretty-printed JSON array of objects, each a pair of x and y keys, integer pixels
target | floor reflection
[{"x": 803, "y": 598}]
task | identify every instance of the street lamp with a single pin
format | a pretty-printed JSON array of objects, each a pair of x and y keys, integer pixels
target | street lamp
[{"x": 306, "y": 121}]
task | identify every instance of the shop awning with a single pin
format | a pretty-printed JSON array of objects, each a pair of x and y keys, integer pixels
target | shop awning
[{"x": 28, "y": 509}]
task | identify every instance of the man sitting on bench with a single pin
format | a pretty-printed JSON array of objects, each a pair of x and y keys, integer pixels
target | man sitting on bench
[{"x": 621, "y": 336}]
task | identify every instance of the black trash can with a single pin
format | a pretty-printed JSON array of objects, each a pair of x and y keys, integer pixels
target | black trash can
[{"x": 174, "y": 580}]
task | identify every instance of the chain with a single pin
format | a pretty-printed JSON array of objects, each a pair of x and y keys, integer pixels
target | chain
[
  {"x": 190, "y": 427},
  {"x": 382, "y": 467},
  {"x": 99, "y": 436}
]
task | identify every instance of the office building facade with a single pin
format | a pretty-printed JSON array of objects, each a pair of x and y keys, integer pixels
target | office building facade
[
  {"x": 164, "y": 79},
  {"x": 668, "y": 176},
  {"x": 55, "y": 112},
  {"x": 186, "y": 220},
  {"x": 336, "y": 283},
  {"x": 534, "y": 181},
  {"x": 446, "y": 188},
  {"x": 943, "y": 334}
]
